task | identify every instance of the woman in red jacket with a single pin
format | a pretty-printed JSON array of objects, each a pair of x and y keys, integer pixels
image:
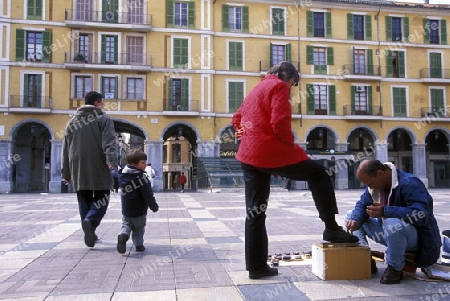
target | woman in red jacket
[{"x": 263, "y": 123}]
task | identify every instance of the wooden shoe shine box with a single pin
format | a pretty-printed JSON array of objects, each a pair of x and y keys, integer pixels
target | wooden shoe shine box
[{"x": 334, "y": 261}]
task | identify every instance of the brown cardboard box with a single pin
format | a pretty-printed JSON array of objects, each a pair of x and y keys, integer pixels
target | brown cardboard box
[{"x": 341, "y": 261}]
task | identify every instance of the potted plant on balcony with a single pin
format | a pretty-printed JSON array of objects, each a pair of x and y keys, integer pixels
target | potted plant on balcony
[{"x": 79, "y": 58}]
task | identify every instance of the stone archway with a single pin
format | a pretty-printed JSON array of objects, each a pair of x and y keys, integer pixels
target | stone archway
[{"x": 32, "y": 145}]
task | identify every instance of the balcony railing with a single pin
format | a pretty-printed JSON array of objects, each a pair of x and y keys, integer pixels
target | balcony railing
[
  {"x": 136, "y": 59},
  {"x": 175, "y": 105},
  {"x": 374, "y": 111},
  {"x": 30, "y": 102},
  {"x": 363, "y": 70},
  {"x": 433, "y": 112},
  {"x": 112, "y": 17},
  {"x": 264, "y": 66},
  {"x": 435, "y": 73}
]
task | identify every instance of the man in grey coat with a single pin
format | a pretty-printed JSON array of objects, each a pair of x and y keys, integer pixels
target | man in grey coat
[{"x": 89, "y": 156}]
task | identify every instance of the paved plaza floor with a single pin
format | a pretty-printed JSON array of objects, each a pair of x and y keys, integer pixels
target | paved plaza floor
[{"x": 195, "y": 251}]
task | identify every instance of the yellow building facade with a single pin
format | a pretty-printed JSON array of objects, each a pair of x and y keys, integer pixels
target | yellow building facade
[{"x": 374, "y": 79}]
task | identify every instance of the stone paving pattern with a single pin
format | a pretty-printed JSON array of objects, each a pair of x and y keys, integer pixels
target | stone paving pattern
[{"x": 195, "y": 251}]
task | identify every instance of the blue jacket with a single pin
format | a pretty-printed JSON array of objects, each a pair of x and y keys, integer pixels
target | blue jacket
[
  {"x": 137, "y": 194},
  {"x": 410, "y": 201}
]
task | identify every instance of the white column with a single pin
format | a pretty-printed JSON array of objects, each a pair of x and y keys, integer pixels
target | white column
[
  {"x": 155, "y": 157},
  {"x": 419, "y": 162}
]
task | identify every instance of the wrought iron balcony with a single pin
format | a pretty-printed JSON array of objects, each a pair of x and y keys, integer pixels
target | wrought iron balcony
[
  {"x": 373, "y": 111},
  {"x": 264, "y": 66},
  {"x": 433, "y": 112},
  {"x": 28, "y": 102},
  {"x": 176, "y": 105},
  {"x": 361, "y": 71},
  {"x": 81, "y": 17},
  {"x": 435, "y": 75},
  {"x": 134, "y": 59}
]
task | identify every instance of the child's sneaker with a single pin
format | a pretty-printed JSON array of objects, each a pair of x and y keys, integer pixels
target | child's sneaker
[
  {"x": 140, "y": 248},
  {"x": 122, "y": 243}
]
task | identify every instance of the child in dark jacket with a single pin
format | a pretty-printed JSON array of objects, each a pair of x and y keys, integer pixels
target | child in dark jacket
[{"x": 136, "y": 197}]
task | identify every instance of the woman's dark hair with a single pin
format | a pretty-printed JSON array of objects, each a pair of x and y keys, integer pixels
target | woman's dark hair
[
  {"x": 285, "y": 71},
  {"x": 91, "y": 97},
  {"x": 134, "y": 156}
]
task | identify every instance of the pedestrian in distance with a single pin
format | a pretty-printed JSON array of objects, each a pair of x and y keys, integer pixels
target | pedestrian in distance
[
  {"x": 150, "y": 173},
  {"x": 183, "y": 181},
  {"x": 137, "y": 196},
  {"x": 263, "y": 125},
  {"x": 89, "y": 159},
  {"x": 396, "y": 211}
]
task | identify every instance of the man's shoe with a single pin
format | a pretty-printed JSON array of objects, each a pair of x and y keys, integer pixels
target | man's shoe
[
  {"x": 339, "y": 236},
  {"x": 89, "y": 235},
  {"x": 391, "y": 276},
  {"x": 267, "y": 271},
  {"x": 122, "y": 243},
  {"x": 373, "y": 266},
  {"x": 140, "y": 248}
]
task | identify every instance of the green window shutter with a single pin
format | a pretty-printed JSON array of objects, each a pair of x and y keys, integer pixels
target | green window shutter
[
  {"x": 185, "y": 94},
  {"x": 399, "y": 102},
  {"x": 350, "y": 26},
  {"x": 101, "y": 85},
  {"x": 34, "y": 9},
  {"x": 389, "y": 64},
  {"x": 235, "y": 56},
  {"x": 310, "y": 99},
  {"x": 332, "y": 99},
  {"x": 225, "y": 20},
  {"x": 38, "y": 102},
  {"x": 328, "y": 25},
  {"x": 443, "y": 32},
  {"x": 245, "y": 17},
  {"x": 46, "y": 49},
  {"x": 108, "y": 8},
  {"x": 426, "y": 33},
  {"x": 309, "y": 55},
  {"x": 180, "y": 52},
  {"x": 271, "y": 55},
  {"x": 25, "y": 91},
  {"x": 116, "y": 87},
  {"x": 277, "y": 21},
  {"x": 103, "y": 50},
  {"x": 288, "y": 52},
  {"x": 330, "y": 56},
  {"x": 169, "y": 99},
  {"x": 191, "y": 14},
  {"x": 170, "y": 17},
  {"x": 20, "y": 44},
  {"x": 401, "y": 64},
  {"x": 369, "y": 100},
  {"x": 368, "y": 20},
  {"x": 369, "y": 61},
  {"x": 116, "y": 50},
  {"x": 435, "y": 65},
  {"x": 405, "y": 29},
  {"x": 396, "y": 95},
  {"x": 388, "y": 28},
  {"x": 352, "y": 92},
  {"x": 236, "y": 95},
  {"x": 309, "y": 24},
  {"x": 437, "y": 99}
]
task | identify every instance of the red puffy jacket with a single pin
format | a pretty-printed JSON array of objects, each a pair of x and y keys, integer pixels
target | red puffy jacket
[{"x": 265, "y": 121}]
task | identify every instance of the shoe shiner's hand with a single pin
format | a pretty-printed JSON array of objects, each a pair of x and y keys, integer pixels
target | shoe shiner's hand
[
  {"x": 351, "y": 225},
  {"x": 375, "y": 210}
]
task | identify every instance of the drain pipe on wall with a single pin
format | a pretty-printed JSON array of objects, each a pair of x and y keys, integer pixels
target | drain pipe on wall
[{"x": 379, "y": 64}]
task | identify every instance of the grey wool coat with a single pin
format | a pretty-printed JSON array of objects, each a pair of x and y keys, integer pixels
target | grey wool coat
[{"x": 89, "y": 148}]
